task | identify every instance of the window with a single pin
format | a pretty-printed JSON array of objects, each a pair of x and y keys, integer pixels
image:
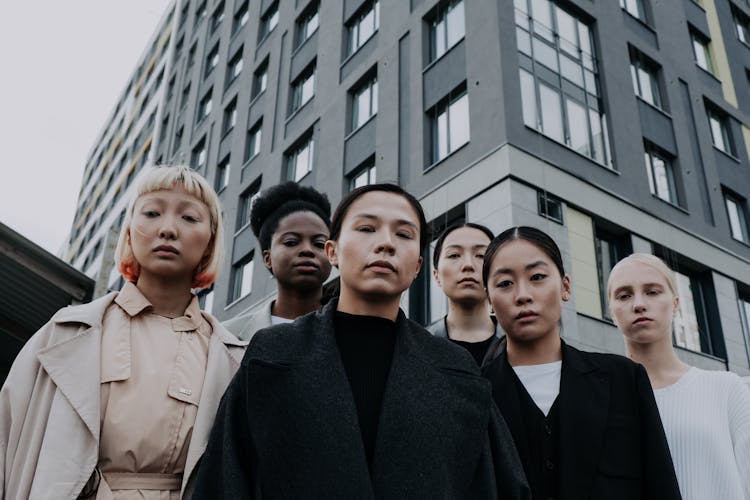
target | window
[
  {"x": 222, "y": 174},
  {"x": 252, "y": 144},
  {"x": 364, "y": 102},
  {"x": 162, "y": 131},
  {"x": 559, "y": 79},
  {"x": 450, "y": 125},
  {"x": 742, "y": 24},
  {"x": 447, "y": 28},
  {"x": 661, "y": 181},
  {"x": 720, "y": 132},
  {"x": 300, "y": 160},
  {"x": 234, "y": 68},
  {"x": 206, "y": 299},
  {"x": 744, "y": 303},
  {"x": 635, "y": 8},
  {"x": 230, "y": 117},
  {"x": 247, "y": 198},
  {"x": 260, "y": 78},
  {"x": 240, "y": 18},
  {"x": 303, "y": 88},
  {"x": 185, "y": 95},
  {"x": 212, "y": 60},
  {"x": 549, "y": 206},
  {"x": 242, "y": 279},
  {"x": 610, "y": 249},
  {"x": 178, "y": 138},
  {"x": 645, "y": 75},
  {"x": 216, "y": 18},
  {"x": 191, "y": 56},
  {"x": 363, "y": 25},
  {"x": 363, "y": 176},
  {"x": 690, "y": 322},
  {"x": 268, "y": 22},
  {"x": 170, "y": 87},
  {"x": 307, "y": 24},
  {"x": 198, "y": 157},
  {"x": 204, "y": 107},
  {"x": 200, "y": 12},
  {"x": 701, "y": 51},
  {"x": 736, "y": 211}
]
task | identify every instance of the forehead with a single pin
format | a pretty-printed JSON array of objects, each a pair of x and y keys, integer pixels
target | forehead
[
  {"x": 388, "y": 207},
  {"x": 466, "y": 237},
  {"x": 176, "y": 195},
  {"x": 517, "y": 254},
  {"x": 633, "y": 273},
  {"x": 303, "y": 222}
]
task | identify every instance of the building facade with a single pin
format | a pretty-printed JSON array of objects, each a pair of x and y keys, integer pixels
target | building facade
[{"x": 614, "y": 126}]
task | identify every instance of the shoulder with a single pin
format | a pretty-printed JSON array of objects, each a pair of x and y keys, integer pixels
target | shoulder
[
  {"x": 439, "y": 351},
  {"x": 602, "y": 360},
  {"x": 291, "y": 341},
  {"x": 245, "y": 325},
  {"x": 70, "y": 320}
]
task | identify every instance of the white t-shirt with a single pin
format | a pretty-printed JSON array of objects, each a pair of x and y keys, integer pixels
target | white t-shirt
[
  {"x": 542, "y": 382},
  {"x": 278, "y": 320}
]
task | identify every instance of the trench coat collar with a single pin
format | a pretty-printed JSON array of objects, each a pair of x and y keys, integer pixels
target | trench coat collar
[
  {"x": 246, "y": 324},
  {"x": 419, "y": 373},
  {"x": 583, "y": 404}
]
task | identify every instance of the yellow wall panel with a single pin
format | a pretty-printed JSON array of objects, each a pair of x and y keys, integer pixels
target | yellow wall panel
[
  {"x": 719, "y": 53},
  {"x": 584, "y": 272}
]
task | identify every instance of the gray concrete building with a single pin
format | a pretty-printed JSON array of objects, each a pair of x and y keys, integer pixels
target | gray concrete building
[{"x": 614, "y": 126}]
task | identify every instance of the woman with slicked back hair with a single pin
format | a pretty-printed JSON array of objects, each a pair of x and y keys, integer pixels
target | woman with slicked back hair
[
  {"x": 357, "y": 401},
  {"x": 585, "y": 424},
  {"x": 114, "y": 399},
  {"x": 291, "y": 224},
  {"x": 706, "y": 414}
]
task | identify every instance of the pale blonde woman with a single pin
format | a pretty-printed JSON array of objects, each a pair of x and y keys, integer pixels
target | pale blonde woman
[
  {"x": 114, "y": 399},
  {"x": 706, "y": 414}
]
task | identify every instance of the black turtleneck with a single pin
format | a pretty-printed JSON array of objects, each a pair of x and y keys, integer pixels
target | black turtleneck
[
  {"x": 477, "y": 349},
  {"x": 366, "y": 346}
]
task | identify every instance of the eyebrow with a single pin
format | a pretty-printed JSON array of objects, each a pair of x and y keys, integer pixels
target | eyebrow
[
  {"x": 401, "y": 222},
  {"x": 507, "y": 270},
  {"x": 480, "y": 245}
]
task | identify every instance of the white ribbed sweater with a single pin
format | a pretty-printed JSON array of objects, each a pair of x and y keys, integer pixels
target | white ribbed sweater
[{"x": 706, "y": 417}]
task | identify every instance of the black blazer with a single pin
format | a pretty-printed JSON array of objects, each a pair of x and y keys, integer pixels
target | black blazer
[
  {"x": 287, "y": 427},
  {"x": 611, "y": 442}
]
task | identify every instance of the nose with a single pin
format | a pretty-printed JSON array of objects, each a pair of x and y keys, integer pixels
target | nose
[
  {"x": 467, "y": 262},
  {"x": 386, "y": 243},
  {"x": 168, "y": 229},
  {"x": 307, "y": 249},
  {"x": 639, "y": 304},
  {"x": 523, "y": 295}
]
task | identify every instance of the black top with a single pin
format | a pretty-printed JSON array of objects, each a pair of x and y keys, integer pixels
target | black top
[
  {"x": 477, "y": 349},
  {"x": 366, "y": 347}
]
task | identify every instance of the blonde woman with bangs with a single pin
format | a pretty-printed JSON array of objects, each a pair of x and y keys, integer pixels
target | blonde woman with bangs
[
  {"x": 114, "y": 399},
  {"x": 705, "y": 413}
]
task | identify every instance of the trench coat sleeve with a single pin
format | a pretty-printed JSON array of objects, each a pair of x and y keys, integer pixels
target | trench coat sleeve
[
  {"x": 660, "y": 481},
  {"x": 500, "y": 473},
  {"x": 228, "y": 468}
]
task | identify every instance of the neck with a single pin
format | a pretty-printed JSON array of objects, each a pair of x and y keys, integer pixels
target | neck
[
  {"x": 169, "y": 296},
  {"x": 663, "y": 366},
  {"x": 546, "y": 349},
  {"x": 469, "y": 322},
  {"x": 368, "y": 306},
  {"x": 292, "y": 304}
]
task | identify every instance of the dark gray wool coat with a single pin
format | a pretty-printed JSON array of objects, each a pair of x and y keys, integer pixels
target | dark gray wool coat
[{"x": 287, "y": 426}]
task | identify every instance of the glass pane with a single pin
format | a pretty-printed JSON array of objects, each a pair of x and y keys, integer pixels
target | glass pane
[
  {"x": 551, "y": 112},
  {"x": 363, "y": 107},
  {"x": 456, "y": 24},
  {"x": 312, "y": 25},
  {"x": 524, "y": 41},
  {"x": 442, "y": 135},
  {"x": 717, "y": 133},
  {"x": 661, "y": 178},
  {"x": 374, "y": 93},
  {"x": 372, "y": 178},
  {"x": 246, "y": 279},
  {"x": 736, "y": 220},
  {"x": 566, "y": 27},
  {"x": 651, "y": 187},
  {"x": 459, "y": 122},
  {"x": 438, "y": 38},
  {"x": 578, "y": 127},
  {"x": 545, "y": 54},
  {"x": 528, "y": 99},
  {"x": 521, "y": 5},
  {"x": 634, "y": 78},
  {"x": 571, "y": 70},
  {"x": 366, "y": 27},
  {"x": 540, "y": 11},
  {"x": 438, "y": 300},
  {"x": 645, "y": 81},
  {"x": 584, "y": 38},
  {"x": 686, "y": 333}
]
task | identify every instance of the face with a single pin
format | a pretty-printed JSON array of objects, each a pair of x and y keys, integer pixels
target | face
[
  {"x": 641, "y": 303},
  {"x": 170, "y": 232},
  {"x": 526, "y": 291},
  {"x": 297, "y": 253},
  {"x": 459, "y": 271},
  {"x": 377, "y": 251}
]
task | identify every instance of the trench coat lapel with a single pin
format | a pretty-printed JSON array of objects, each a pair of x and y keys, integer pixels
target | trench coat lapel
[
  {"x": 583, "y": 406},
  {"x": 224, "y": 355}
]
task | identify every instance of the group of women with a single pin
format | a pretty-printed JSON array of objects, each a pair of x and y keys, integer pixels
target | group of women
[{"x": 139, "y": 394}]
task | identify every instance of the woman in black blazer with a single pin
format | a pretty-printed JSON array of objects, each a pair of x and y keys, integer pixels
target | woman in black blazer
[
  {"x": 586, "y": 425},
  {"x": 356, "y": 401}
]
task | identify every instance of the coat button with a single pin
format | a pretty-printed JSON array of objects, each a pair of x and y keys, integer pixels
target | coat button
[
  {"x": 548, "y": 429},
  {"x": 549, "y": 465}
]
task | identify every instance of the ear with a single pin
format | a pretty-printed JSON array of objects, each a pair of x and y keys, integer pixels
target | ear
[
  {"x": 331, "y": 249},
  {"x": 419, "y": 266},
  {"x": 566, "y": 288},
  {"x": 437, "y": 277},
  {"x": 676, "y": 306},
  {"x": 267, "y": 259}
]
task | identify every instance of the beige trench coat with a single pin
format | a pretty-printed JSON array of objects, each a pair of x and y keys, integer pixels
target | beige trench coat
[{"x": 50, "y": 405}]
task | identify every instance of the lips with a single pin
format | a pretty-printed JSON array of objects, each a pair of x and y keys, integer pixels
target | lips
[
  {"x": 642, "y": 320},
  {"x": 470, "y": 281},
  {"x": 381, "y": 265},
  {"x": 526, "y": 316},
  {"x": 166, "y": 249},
  {"x": 307, "y": 265}
]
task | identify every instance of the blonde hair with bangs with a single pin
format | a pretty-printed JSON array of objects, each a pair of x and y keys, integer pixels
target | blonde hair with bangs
[
  {"x": 649, "y": 260},
  {"x": 166, "y": 177}
]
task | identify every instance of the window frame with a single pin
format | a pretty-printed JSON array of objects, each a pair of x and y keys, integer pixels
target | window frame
[
  {"x": 199, "y": 155},
  {"x": 642, "y": 68},
  {"x": 740, "y": 217},
  {"x": 306, "y": 146},
  {"x": 242, "y": 278},
  {"x": 268, "y": 21},
  {"x": 354, "y": 38},
  {"x": 702, "y": 57},
  {"x": 303, "y": 23},
  {"x": 229, "y": 119},
  {"x": 722, "y": 139},
  {"x": 447, "y": 107},
  {"x": 253, "y": 141},
  {"x": 652, "y": 153},
  {"x": 237, "y": 60},
  {"x": 368, "y": 85},
  {"x": 260, "y": 79},
  {"x": 303, "y": 88},
  {"x": 440, "y": 28},
  {"x": 223, "y": 171}
]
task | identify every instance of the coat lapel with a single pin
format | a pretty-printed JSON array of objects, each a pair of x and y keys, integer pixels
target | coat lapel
[
  {"x": 583, "y": 405},
  {"x": 224, "y": 355}
]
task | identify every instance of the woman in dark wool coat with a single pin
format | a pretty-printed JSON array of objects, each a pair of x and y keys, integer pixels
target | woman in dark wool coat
[{"x": 357, "y": 401}]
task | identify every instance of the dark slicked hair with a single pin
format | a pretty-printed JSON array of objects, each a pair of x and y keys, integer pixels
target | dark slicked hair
[
  {"x": 449, "y": 230},
  {"x": 536, "y": 237},
  {"x": 278, "y": 201},
  {"x": 346, "y": 203}
]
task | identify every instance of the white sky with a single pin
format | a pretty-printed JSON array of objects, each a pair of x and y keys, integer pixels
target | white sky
[{"x": 64, "y": 64}]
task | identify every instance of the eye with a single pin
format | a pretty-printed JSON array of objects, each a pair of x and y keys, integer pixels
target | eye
[
  {"x": 622, "y": 296},
  {"x": 319, "y": 244},
  {"x": 653, "y": 292},
  {"x": 150, "y": 213},
  {"x": 290, "y": 242},
  {"x": 503, "y": 284},
  {"x": 452, "y": 256},
  {"x": 405, "y": 234},
  {"x": 479, "y": 256},
  {"x": 538, "y": 276},
  {"x": 365, "y": 229},
  {"x": 191, "y": 218}
]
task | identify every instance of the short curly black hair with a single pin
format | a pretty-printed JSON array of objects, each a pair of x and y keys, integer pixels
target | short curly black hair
[{"x": 280, "y": 200}]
